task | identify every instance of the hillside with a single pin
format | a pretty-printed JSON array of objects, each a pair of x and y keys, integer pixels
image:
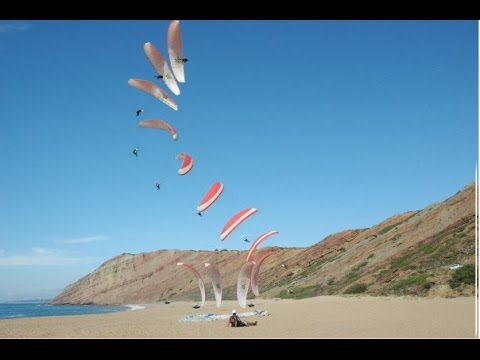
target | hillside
[{"x": 409, "y": 253}]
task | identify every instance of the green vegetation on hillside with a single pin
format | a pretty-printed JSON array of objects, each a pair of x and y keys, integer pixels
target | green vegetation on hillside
[
  {"x": 414, "y": 284},
  {"x": 444, "y": 248},
  {"x": 356, "y": 289},
  {"x": 464, "y": 275}
]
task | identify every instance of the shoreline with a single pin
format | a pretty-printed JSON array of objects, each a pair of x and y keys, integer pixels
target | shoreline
[{"x": 319, "y": 317}]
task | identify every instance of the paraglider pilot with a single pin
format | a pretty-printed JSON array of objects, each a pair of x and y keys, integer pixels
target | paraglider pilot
[
  {"x": 235, "y": 321},
  {"x": 135, "y": 152}
]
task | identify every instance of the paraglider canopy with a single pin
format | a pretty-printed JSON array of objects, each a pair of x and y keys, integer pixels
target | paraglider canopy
[
  {"x": 212, "y": 195},
  {"x": 255, "y": 271},
  {"x": 175, "y": 50},
  {"x": 159, "y": 124},
  {"x": 236, "y": 220},
  {"x": 187, "y": 163},
  {"x": 258, "y": 241},
  {"x": 161, "y": 66},
  {"x": 243, "y": 283},
  {"x": 152, "y": 89},
  {"x": 216, "y": 279},
  {"x": 200, "y": 283}
]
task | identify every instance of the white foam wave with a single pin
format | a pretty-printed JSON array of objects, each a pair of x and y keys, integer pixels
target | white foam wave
[{"x": 135, "y": 307}]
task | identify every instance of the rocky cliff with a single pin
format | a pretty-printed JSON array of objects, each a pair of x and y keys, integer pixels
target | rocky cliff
[{"x": 409, "y": 253}]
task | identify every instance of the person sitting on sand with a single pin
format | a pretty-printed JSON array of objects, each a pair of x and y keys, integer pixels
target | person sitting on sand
[{"x": 235, "y": 321}]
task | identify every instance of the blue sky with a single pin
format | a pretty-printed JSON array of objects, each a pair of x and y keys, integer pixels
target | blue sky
[{"x": 321, "y": 125}]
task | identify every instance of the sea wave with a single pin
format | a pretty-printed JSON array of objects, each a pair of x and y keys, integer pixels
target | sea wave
[{"x": 135, "y": 307}]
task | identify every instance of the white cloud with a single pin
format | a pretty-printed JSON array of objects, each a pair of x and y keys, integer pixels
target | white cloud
[
  {"x": 41, "y": 257},
  {"x": 14, "y": 27},
  {"x": 82, "y": 240}
]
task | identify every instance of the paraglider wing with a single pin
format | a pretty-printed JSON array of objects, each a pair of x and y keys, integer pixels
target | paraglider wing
[
  {"x": 154, "y": 90},
  {"x": 161, "y": 67},
  {"x": 258, "y": 241},
  {"x": 212, "y": 195},
  {"x": 159, "y": 124},
  {"x": 236, "y": 220},
  {"x": 216, "y": 282},
  {"x": 199, "y": 279},
  {"x": 175, "y": 50},
  {"x": 186, "y": 165},
  {"x": 244, "y": 282},
  {"x": 256, "y": 269}
]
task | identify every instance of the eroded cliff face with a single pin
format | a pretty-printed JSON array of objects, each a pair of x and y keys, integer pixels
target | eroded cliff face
[{"x": 405, "y": 254}]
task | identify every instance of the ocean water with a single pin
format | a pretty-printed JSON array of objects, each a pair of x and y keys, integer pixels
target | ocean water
[{"x": 12, "y": 310}]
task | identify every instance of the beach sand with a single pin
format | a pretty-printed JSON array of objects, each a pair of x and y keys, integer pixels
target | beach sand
[{"x": 320, "y": 317}]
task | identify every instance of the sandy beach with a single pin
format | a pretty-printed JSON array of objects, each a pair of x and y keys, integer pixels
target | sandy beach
[{"x": 320, "y": 317}]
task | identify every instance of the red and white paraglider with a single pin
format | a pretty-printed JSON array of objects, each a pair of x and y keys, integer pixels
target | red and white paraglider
[
  {"x": 258, "y": 241},
  {"x": 236, "y": 220},
  {"x": 152, "y": 89},
  {"x": 161, "y": 67},
  {"x": 159, "y": 124},
  {"x": 212, "y": 195},
  {"x": 256, "y": 269},
  {"x": 216, "y": 279},
  {"x": 175, "y": 50},
  {"x": 187, "y": 163},
  {"x": 199, "y": 279},
  {"x": 243, "y": 283}
]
